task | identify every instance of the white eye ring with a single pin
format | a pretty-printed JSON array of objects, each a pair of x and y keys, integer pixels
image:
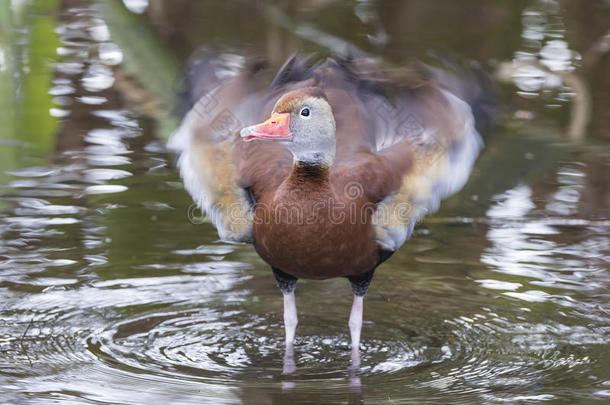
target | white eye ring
[{"x": 305, "y": 113}]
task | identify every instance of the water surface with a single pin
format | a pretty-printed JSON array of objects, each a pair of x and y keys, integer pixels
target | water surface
[{"x": 114, "y": 290}]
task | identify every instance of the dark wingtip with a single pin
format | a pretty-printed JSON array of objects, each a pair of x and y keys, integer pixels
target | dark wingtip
[
  {"x": 199, "y": 77},
  {"x": 207, "y": 67},
  {"x": 354, "y": 67},
  {"x": 359, "y": 70},
  {"x": 295, "y": 69}
]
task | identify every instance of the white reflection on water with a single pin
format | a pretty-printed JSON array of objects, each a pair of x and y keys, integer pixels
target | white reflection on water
[
  {"x": 514, "y": 203},
  {"x": 136, "y": 6},
  {"x": 105, "y": 189},
  {"x": 110, "y": 54},
  {"x": 97, "y": 78},
  {"x": 538, "y": 251},
  {"x": 544, "y": 55},
  {"x": 564, "y": 201}
]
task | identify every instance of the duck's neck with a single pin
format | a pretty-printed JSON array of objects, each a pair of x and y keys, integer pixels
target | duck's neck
[
  {"x": 312, "y": 172},
  {"x": 313, "y": 158},
  {"x": 311, "y": 166}
]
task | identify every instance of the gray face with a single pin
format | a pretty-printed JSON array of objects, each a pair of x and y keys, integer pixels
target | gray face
[{"x": 312, "y": 125}]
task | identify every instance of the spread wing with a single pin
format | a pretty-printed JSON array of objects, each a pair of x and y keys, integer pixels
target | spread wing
[
  {"x": 407, "y": 139},
  {"x": 217, "y": 168},
  {"x": 443, "y": 152},
  {"x": 416, "y": 140},
  {"x": 437, "y": 129}
]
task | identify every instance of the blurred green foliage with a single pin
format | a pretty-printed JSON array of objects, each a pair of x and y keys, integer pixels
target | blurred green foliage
[{"x": 28, "y": 51}]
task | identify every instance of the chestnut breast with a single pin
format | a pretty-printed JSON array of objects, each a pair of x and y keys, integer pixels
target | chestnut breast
[{"x": 310, "y": 228}]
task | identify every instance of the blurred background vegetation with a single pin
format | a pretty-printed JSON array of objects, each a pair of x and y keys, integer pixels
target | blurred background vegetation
[{"x": 156, "y": 38}]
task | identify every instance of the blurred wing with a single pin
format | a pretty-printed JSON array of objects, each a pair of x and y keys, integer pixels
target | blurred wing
[
  {"x": 209, "y": 175},
  {"x": 206, "y": 142},
  {"x": 444, "y": 145},
  {"x": 403, "y": 135},
  {"x": 406, "y": 137},
  {"x": 408, "y": 152}
]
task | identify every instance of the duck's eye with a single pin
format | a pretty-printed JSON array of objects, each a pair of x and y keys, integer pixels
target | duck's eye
[{"x": 305, "y": 112}]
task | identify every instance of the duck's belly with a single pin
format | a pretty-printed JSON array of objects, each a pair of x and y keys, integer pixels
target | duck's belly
[{"x": 315, "y": 246}]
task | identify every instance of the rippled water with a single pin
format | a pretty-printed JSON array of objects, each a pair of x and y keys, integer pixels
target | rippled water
[{"x": 111, "y": 294}]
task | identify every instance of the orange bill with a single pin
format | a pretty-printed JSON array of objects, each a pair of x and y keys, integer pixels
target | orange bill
[{"x": 275, "y": 128}]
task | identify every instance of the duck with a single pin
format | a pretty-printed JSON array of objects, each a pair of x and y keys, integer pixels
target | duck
[{"x": 324, "y": 167}]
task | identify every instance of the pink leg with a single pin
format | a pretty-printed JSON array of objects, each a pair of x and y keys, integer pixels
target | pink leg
[
  {"x": 290, "y": 365},
  {"x": 290, "y": 318},
  {"x": 355, "y": 322}
]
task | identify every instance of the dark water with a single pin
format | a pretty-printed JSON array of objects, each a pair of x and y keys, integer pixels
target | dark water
[{"x": 113, "y": 291}]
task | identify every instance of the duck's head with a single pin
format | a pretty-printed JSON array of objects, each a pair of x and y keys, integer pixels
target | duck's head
[{"x": 303, "y": 121}]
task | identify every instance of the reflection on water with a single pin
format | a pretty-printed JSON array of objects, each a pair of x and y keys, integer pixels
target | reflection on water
[
  {"x": 110, "y": 295},
  {"x": 544, "y": 51}
]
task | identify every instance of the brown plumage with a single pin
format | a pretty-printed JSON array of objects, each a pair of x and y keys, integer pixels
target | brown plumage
[
  {"x": 335, "y": 180},
  {"x": 307, "y": 227}
]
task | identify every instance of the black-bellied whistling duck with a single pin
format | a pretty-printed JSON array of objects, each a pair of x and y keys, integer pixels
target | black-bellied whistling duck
[{"x": 346, "y": 160}]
